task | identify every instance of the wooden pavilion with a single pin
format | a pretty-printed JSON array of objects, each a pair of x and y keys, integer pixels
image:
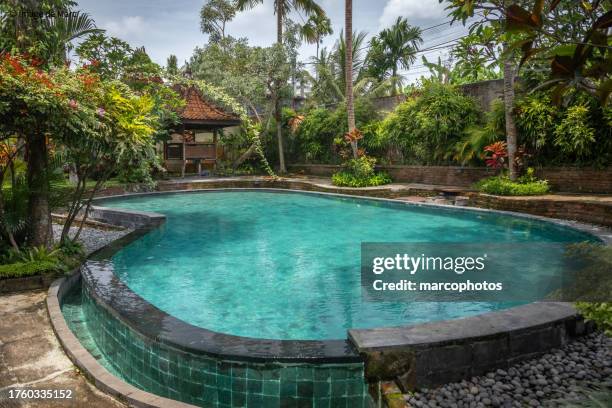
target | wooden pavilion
[{"x": 195, "y": 141}]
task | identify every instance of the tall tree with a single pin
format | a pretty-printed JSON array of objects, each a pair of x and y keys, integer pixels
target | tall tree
[
  {"x": 214, "y": 16},
  {"x": 492, "y": 13},
  {"x": 172, "y": 65},
  {"x": 282, "y": 8},
  {"x": 41, "y": 29},
  {"x": 316, "y": 27},
  {"x": 394, "y": 49},
  {"x": 348, "y": 68},
  {"x": 476, "y": 57}
]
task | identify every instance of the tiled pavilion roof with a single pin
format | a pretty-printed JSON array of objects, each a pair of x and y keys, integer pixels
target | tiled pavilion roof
[{"x": 197, "y": 109}]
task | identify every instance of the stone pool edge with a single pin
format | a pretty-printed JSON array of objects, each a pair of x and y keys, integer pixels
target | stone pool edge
[
  {"x": 401, "y": 357},
  {"x": 89, "y": 366}
]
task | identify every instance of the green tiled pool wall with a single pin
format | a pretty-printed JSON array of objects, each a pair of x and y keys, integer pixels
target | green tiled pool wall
[{"x": 210, "y": 382}]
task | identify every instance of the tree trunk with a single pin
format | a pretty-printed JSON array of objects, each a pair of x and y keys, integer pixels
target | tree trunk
[
  {"x": 511, "y": 133},
  {"x": 394, "y": 81},
  {"x": 277, "y": 103},
  {"x": 244, "y": 156},
  {"x": 348, "y": 32},
  {"x": 39, "y": 214}
]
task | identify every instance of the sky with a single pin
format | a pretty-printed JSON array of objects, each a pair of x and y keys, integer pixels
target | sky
[{"x": 167, "y": 27}]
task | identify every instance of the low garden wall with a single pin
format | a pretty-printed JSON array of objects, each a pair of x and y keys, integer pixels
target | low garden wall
[
  {"x": 563, "y": 179},
  {"x": 591, "y": 211}
]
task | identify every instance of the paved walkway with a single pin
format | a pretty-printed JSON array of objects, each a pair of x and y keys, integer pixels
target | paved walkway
[{"x": 32, "y": 358}]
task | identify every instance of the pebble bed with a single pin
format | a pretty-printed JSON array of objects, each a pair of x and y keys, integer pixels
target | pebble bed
[
  {"x": 559, "y": 378},
  {"x": 91, "y": 238}
]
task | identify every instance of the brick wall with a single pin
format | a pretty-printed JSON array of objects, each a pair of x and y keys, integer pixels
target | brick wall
[
  {"x": 592, "y": 212},
  {"x": 578, "y": 180},
  {"x": 562, "y": 179}
]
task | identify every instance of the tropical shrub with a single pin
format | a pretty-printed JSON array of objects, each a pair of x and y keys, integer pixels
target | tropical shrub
[
  {"x": 40, "y": 260},
  {"x": 314, "y": 136},
  {"x": 574, "y": 135},
  {"x": 360, "y": 173},
  {"x": 495, "y": 155},
  {"x": 345, "y": 179},
  {"x": 429, "y": 123},
  {"x": 502, "y": 185},
  {"x": 23, "y": 269},
  {"x": 535, "y": 120},
  {"x": 476, "y": 137},
  {"x": 598, "y": 312},
  {"x": 321, "y": 129}
]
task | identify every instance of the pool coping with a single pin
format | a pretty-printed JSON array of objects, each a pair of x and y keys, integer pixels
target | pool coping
[
  {"x": 529, "y": 317},
  {"x": 89, "y": 366}
]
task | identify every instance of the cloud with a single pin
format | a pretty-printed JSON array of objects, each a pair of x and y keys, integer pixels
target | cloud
[
  {"x": 416, "y": 11},
  {"x": 130, "y": 26}
]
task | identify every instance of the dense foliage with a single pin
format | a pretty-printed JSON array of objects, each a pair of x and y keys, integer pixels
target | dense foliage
[
  {"x": 424, "y": 128},
  {"x": 360, "y": 172},
  {"x": 598, "y": 312},
  {"x": 502, "y": 185},
  {"x": 321, "y": 132}
]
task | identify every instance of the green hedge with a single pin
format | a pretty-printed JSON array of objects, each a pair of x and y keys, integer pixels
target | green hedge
[
  {"x": 23, "y": 269},
  {"x": 345, "y": 179},
  {"x": 502, "y": 185}
]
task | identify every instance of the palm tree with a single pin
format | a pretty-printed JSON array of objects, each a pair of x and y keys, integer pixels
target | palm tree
[
  {"x": 357, "y": 57},
  {"x": 172, "y": 65},
  {"x": 66, "y": 28},
  {"x": 317, "y": 27},
  {"x": 348, "y": 70},
  {"x": 282, "y": 8},
  {"x": 397, "y": 47}
]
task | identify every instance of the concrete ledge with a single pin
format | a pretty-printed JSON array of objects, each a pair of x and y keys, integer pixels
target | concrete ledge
[
  {"x": 431, "y": 354},
  {"x": 124, "y": 218},
  {"x": 11, "y": 285},
  {"x": 97, "y": 374}
]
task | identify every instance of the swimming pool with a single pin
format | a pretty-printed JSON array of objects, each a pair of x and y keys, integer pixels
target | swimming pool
[{"x": 286, "y": 265}]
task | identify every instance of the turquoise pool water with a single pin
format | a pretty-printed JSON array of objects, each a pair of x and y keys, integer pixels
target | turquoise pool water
[{"x": 287, "y": 265}]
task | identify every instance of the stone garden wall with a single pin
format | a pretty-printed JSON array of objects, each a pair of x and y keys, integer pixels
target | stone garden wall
[{"x": 561, "y": 179}]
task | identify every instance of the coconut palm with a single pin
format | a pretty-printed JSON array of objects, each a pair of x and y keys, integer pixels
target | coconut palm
[
  {"x": 316, "y": 27},
  {"x": 348, "y": 69},
  {"x": 393, "y": 49},
  {"x": 66, "y": 28},
  {"x": 282, "y": 8},
  {"x": 329, "y": 79}
]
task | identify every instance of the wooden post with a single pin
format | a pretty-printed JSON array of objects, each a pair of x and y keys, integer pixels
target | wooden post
[
  {"x": 215, "y": 148},
  {"x": 184, "y": 159}
]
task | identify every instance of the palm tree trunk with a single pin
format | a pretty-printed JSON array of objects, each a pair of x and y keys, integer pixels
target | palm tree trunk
[
  {"x": 511, "y": 133},
  {"x": 348, "y": 32},
  {"x": 277, "y": 103},
  {"x": 394, "y": 81},
  {"x": 39, "y": 214}
]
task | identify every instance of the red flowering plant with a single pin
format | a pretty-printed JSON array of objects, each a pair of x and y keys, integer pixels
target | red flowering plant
[
  {"x": 495, "y": 155},
  {"x": 95, "y": 125}
]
